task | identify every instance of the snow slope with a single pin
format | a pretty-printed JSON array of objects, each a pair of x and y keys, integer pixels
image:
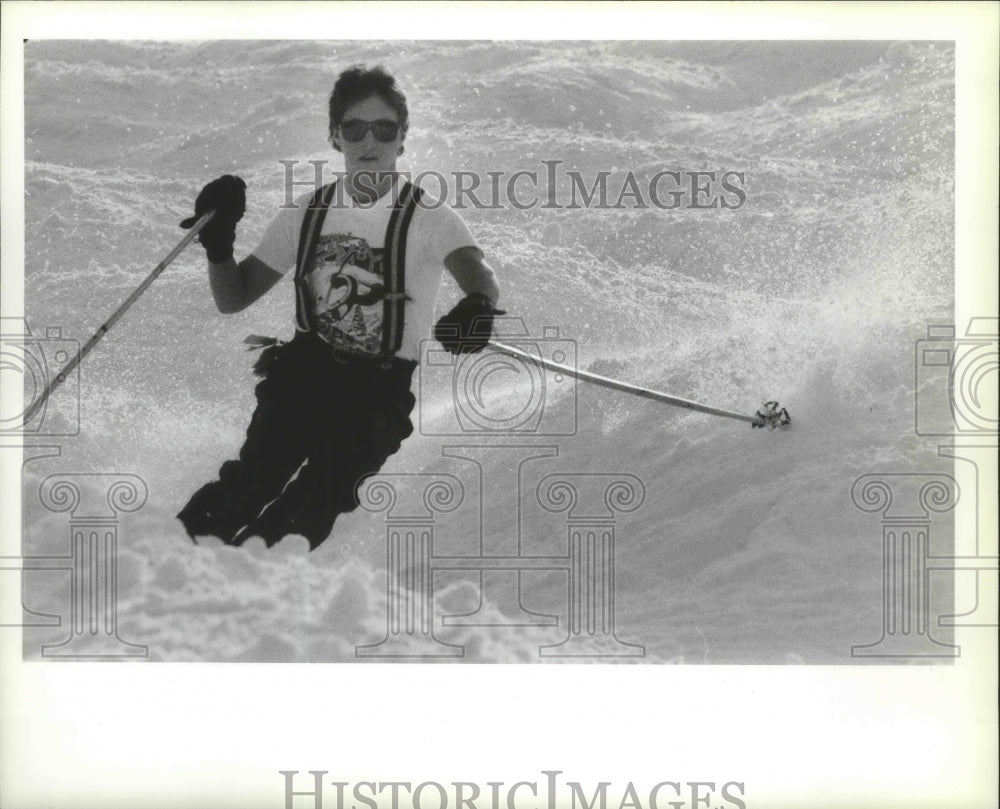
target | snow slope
[{"x": 747, "y": 547}]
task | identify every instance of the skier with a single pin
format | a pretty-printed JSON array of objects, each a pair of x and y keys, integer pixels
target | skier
[{"x": 335, "y": 401}]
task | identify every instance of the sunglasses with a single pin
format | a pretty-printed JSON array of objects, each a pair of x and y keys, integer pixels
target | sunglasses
[{"x": 355, "y": 130}]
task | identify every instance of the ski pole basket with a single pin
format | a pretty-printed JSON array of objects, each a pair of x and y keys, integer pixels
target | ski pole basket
[{"x": 770, "y": 416}]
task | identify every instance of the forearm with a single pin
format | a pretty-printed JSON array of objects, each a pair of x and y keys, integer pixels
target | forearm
[
  {"x": 228, "y": 288},
  {"x": 236, "y": 286},
  {"x": 472, "y": 274},
  {"x": 483, "y": 284}
]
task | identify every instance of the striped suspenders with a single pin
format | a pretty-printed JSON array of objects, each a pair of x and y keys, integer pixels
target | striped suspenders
[
  {"x": 393, "y": 262},
  {"x": 312, "y": 227}
]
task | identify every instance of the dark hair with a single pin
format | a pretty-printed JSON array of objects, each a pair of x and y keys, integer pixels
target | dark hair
[{"x": 358, "y": 83}]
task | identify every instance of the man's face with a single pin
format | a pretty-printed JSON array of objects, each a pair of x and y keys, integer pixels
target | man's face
[{"x": 372, "y": 117}]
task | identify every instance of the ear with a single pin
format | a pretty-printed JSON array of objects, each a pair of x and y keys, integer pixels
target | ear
[
  {"x": 400, "y": 150},
  {"x": 335, "y": 144}
]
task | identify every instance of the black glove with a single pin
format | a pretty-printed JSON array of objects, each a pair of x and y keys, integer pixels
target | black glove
[
  {"x": 227, "y": 196},
  {"x": 467, "y": 328}
]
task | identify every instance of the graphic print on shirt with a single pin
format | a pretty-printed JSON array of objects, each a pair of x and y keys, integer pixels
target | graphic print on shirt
[{"x": 346, "y": 290}]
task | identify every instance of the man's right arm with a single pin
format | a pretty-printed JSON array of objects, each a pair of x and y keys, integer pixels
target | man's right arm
[{"x": 236, "y": 286}]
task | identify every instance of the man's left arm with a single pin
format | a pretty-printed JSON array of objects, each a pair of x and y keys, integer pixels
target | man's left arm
[
  {"x": 468, "y": 326},
  {"x": 473, "y": 275}
]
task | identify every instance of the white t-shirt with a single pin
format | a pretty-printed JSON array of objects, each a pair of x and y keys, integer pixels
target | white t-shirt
[{"x": 346, "y": 278}]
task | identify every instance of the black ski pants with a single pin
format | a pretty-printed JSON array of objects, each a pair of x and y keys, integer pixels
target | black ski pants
[{"x": 333, "y": 420}]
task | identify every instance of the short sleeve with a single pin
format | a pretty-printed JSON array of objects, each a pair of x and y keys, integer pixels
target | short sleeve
[
  {"x": 278, "y": 247},
  {"x": 442, "y": 231}
]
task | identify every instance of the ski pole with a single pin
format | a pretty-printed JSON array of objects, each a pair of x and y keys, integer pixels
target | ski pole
[
  {"x": 30, "y": 413},
  {"x": 768, "y": 415}
]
